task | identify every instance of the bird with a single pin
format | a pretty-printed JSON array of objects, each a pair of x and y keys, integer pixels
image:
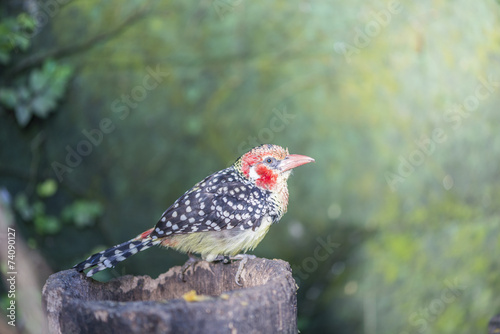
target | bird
[{"x": 221, "y": 217}]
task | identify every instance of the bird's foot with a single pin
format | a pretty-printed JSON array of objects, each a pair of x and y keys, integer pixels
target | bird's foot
[
  {"x": 190, "y": 262},
  {"x": 243, "y": 258}
]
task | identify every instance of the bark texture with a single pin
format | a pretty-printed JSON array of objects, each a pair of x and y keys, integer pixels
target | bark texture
[{"x": 494, "y": 325}]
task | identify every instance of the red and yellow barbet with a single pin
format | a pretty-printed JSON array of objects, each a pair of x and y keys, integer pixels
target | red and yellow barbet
[{"x": 227, "y": 213}]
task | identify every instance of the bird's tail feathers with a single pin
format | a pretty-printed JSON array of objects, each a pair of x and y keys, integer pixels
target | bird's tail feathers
[{"x": 110, "y": 257}]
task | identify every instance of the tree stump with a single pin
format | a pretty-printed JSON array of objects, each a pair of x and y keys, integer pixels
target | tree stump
[
  {"x": 494, "y": 325},
  {"x": 266, "y": 303}
]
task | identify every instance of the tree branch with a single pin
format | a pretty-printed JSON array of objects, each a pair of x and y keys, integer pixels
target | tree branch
[{"x": 66, "y": 51}]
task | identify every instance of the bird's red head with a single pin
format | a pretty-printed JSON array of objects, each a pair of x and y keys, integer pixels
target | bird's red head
[{"x": 269, "y": 165}]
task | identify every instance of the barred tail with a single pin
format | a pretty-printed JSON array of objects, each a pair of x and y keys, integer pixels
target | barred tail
[{"x": 110, "y": 257}]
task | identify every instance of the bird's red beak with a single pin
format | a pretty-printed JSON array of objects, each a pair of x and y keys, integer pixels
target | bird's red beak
[{"x": 294, "y": 160}]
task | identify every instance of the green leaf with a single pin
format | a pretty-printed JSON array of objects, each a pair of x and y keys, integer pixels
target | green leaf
[
  {"x": 26, "y": 21},
  {"x": 21, "y": 41},
  {"x": 38, "y": 208},
  {"x": 23, "y": 93},
  {"x": 8, "y": 97},
  {"x": 38, "y": 80},
  {"x": 48, "y": 85},
  {"x": 4, "y": 57},
  {"x": 47, "y": 225},
  {"x": 32, "y": 243},
  {"x": 23, "y": 115},
  {"x": 22, "y": 206},
  {"x": 193, "y": 94},
  {"x": 15, "y": 33},
  {"x": 82, "y": 213},
  {"x": 42, "y": 105},
  {"x": 194, "y": 125},
  {"x": 47, "y": 188}
]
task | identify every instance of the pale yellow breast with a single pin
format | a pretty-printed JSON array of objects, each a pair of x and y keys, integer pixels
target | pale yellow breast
[{"x": 225, "y": 242}]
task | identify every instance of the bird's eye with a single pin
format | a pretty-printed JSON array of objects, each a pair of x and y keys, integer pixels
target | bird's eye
[{"x": 269, "y": 160}]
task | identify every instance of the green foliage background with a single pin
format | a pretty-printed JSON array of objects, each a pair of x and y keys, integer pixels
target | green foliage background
[{"x": 363, "y": 90}]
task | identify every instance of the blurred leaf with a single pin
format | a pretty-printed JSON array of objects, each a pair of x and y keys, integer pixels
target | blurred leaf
[
  {"x": 4, "y": 300},
  {"x": 194, "y": 125},
  {"x": 42, "y": 105},
  {"x": 23, "y": 115},
  {"x": 23, "y": 93},
  {"x": 4, "y": 57},
  {"x": 26, "y": 21},
  {"x": 21, "y": 41},
  {"x": 48, "y": 85},
  {"x": 82, "y": 213},
  {"x": 21, "y": 204},
  {"x": 32, "y": 243},
  {"x": 8, "y": 97},
  {"x": 47, "y": 188},
  {"x": 47, "y": 224},
  {"x": 38, "y": 208},
  {"x": 15, "y": 34},
  {"x": 45, "y": 87},
  {"x": 193, "y": 93},
  {"x": 38, "y": 80}
]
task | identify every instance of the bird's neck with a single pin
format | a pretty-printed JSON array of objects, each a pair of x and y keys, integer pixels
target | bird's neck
[{"x": 279, "y": 194}]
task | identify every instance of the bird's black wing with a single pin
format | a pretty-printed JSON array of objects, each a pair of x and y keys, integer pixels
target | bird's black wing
[{"x": 222, "y": 201}]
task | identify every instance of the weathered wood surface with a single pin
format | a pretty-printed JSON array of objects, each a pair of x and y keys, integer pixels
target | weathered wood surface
[
  {"x": 139, "y": 304},
  {"x": 494, "y": 325}
]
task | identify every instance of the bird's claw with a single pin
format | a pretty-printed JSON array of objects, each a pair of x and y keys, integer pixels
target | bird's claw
[
  {"x": 243, "y": 258},
  {"x": 190, "y": 262}
]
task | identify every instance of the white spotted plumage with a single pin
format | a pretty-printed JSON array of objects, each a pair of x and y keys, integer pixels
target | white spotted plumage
[{"x": 217, "y": 191}]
